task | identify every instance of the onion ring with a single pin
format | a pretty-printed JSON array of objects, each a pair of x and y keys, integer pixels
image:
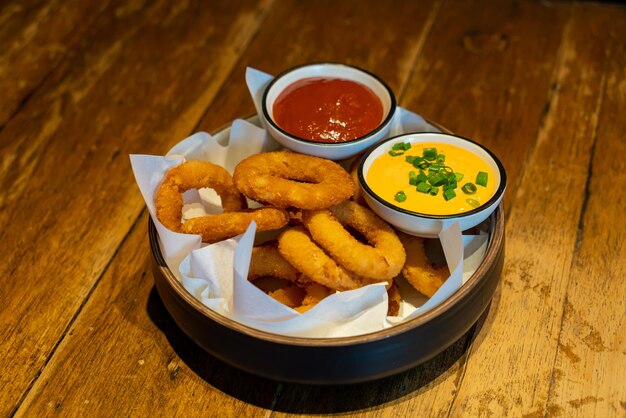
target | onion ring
[
  {"x": 267, "y": 261},
  {"x": 354, "y": 173},
  {"x": 423, "y": 275},
  {"x": 194, "y": 174},
  {"x": 218, "y": 227},
  {"x": 315, "y": 292},
  {"x": 287, "y": 179},
  {"x": 394, "y": 299},
  {"x": 290, "y": 295},
  {"x": 296, "y": 245},
  {"x": 380, "y": 261}
]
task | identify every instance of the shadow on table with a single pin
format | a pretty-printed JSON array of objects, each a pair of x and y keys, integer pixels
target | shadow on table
[{"x": 295, "y": 398}]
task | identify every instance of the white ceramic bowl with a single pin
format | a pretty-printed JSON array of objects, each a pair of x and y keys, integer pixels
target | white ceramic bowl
[
  {"x": 331, "y": 151},
  {"x": 422, "y": 224}
]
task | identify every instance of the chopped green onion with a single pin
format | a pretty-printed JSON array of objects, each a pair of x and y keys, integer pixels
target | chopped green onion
[
  {"x": 395, "y": 153},
  {"x": 410, "y": 158},
  {"x": 400, "y": 196},
  {"x": 398, "y": 147},
  {"x": 450, "y": 185},
  {"x": 438, "y": 179},
  {"x": 430, "y": 154},
  {"x": 469, "y": 188},
  {"x": 413, "y": 178},
  {"x": 481, "y": 178},
  {"x": 441, "y": 158},
  {"x": 422, "y": 177},
  {"x": 449, "y": 194},
  {"x": 406, "y": 146},
  {"x": 423, "y": 187},
  {"x": 459, "y": 176},
  {"x": 433, "y": 191},
  {"x": 473, "y": 202}
]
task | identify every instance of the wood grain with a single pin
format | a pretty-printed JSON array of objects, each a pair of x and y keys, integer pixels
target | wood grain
[
  {"x": 68, "y": 197},
  {"x": 82, "y": 330},
  {"x": 514, "y": 360},
  {"x": 590, "y": 367},
  {"x": 126, "y": 339}
]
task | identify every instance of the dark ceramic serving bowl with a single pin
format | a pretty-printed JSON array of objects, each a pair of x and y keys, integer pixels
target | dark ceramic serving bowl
[{"x": 334, "y": 360}]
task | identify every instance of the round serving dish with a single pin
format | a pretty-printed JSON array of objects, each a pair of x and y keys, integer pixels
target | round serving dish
[
  {"x": 422, "y": 224},
  {"x": 333, "y": 360},
  {"x": 333, "y": 151}
]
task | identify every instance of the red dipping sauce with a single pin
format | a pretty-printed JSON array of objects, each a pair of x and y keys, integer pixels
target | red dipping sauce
[{"x": 327, "y": 110}]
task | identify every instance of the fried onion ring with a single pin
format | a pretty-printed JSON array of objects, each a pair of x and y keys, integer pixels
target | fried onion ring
[
  {"x": 354, "y": 173},
  {"x": 287, "y": 179},
  {"x": 382, "y": 260},
  {"x": 394, "y": 299},
  {"x": 194, "y": 174},
  {"x": 315, "y": 292},
  {"x": 267, "y": 261},
  {"x": 296, "y": 245},
  {"x": 218, "y": 227},
  {"x": 423, "y": 275}
]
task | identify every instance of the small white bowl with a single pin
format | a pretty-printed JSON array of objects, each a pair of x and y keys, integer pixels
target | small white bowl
[
  {"x": 422, "y": 224},
  {"x": 331, "y": 151}
]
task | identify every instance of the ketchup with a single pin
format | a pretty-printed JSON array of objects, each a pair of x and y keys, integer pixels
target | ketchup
[{"x": 327, "y": 110}]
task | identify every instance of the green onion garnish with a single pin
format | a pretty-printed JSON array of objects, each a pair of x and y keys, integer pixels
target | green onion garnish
[
  {"x": 413, "y": 178},
  {"x": 410, "y": 158},
  {"x": 400, "y": 196},
  {"x": 395, "y": 153},
  {"x": 441, "y": 158},
  {"x": 438, "y": 179},
  {"x": 458, "y": 176},
  {"x": 406, "y": 146},
  {"x": 481, "y": 178},
  {"x": 473, "y": 202},
  {"x": 430, "y": 154},
  {"x": 423, "y": 187},
  {"x": 450, "y": 186},
  {"x": 398, "y": 147},
  {"x": 469, "y": 188},
  {"x": 449, "y": 194},
  {"x": 433, "y": 191}
]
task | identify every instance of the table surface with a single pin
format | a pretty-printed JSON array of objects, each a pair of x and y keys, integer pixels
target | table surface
[{"x": 84, "y": 84}]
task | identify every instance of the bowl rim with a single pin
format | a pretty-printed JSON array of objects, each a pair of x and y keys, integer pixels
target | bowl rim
[
  {"x": 385, "y": 123},
  {"x": 494, "y": 199}
]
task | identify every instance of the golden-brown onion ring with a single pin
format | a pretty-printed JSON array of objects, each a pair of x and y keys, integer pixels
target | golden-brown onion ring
[
  {"x": 382, "y": 260},
  {"x": 296, "y": 245},
  {"x": 287, "y": 179},
  {"x": 266, "y": 261},
  {"x": 194, "y": 174},
  {"x": 315, "y": 292},
  {"x": 394, "y": 299},
  {"x": 423, "y": 275},
  {"x": 354, "y": 173},
  {"x": 218, "y": 227}
]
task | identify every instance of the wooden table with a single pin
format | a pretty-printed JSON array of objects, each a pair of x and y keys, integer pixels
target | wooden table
[{"x": 84, "y": 84}]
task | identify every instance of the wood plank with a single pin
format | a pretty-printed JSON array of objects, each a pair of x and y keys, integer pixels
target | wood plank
[
  {"x": 383, "y": 37},
  {"x": 34, "y": 38},
  {"x": 509, "y": 368},
  {"x": 485, "y": 74},
  {"x": 590, "y": 369},
  {"x": 68, "y": 196},
  {"x": 125, "y": 356}
]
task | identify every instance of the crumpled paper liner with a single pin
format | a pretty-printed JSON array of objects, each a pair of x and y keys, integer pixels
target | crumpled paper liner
[{"x": 216, "y": 274}]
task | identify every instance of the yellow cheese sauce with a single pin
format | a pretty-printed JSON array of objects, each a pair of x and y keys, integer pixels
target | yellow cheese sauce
[{"x": 388, "y": 175}]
